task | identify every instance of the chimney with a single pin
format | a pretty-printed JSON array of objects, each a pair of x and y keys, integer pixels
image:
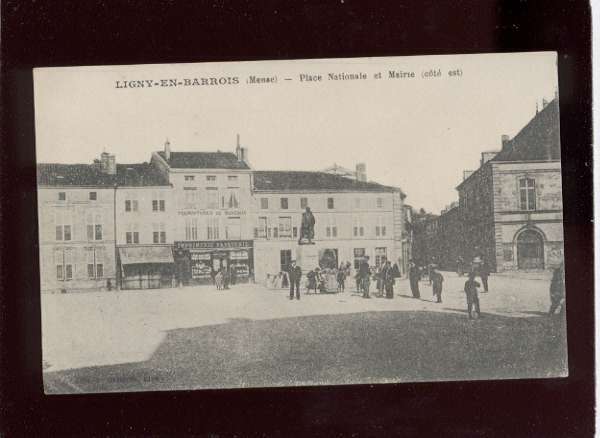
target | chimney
[
  {"x": 108, "y": 163},
  {"x": 167, "y": 150},
  {"x": 361, "y": 172},
  {"x": 241, "y": 152},
  {"x": 505, "y": 141}
]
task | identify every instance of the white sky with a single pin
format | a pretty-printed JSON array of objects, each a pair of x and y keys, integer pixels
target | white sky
[{"x": 418, "y": 134}]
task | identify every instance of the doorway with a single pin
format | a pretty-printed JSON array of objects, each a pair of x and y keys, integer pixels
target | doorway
[{"x": 530, "y": 250}]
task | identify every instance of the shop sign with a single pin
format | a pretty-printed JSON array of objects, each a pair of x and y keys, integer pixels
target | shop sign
[
  {"x": 213, "y": 244},
  {"x": 212, "y": 212}
]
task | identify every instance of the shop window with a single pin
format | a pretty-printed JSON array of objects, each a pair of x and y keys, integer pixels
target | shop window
[
  {"x": 93, "y": 196},
  {"x": 285, "y": 227},
  {"x": 264, "y": 203},
  {"x": 284, "y": 203},
  {"x": 330, "y": 203},
  {"x": 303, "y": 203},
  {"x": 527, "y": 194},
  {"x": 359, "y": 254},
  {"x": 62, "y": 196}
]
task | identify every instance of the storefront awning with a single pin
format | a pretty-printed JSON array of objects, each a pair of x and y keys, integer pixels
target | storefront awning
[{"x": 145, "y": 254}]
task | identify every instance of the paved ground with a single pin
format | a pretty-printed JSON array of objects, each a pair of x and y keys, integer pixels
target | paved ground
[{"x": 251, "y": 336}]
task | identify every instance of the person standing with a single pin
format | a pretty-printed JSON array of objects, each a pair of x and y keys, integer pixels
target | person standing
[
  {"x": 388, "y": 279},
  {"x": 294, "y": 274},
  {"x": 413, "y": 277},
  {"x": 557, "y": 290},
  {"x": 484, "y": 273},
  {"x": 341, "y": 278},
  {"x": 437, "y": 282},
  {"x": 472, "y": 298},
  {"x": 364, "y": 273},
  {"x": 232, "y": 275}
]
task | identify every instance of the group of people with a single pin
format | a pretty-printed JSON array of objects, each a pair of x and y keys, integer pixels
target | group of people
[
  {"x": 224, "y": 277},
  {"x": 384, "y": 275}
]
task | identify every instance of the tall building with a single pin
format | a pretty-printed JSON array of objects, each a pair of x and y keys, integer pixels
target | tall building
[{"x": 511, "y": 206}]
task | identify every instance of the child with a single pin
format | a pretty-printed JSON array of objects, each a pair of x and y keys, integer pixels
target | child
[{"x": 472, "y": 298}]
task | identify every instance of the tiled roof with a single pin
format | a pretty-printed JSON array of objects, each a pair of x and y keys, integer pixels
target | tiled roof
[
  {"x": 204, "y": 160},
  {"x": 313, "y": 181},
  {"x": 131, "y": 175},
  {"x": 539, "y": 140}
]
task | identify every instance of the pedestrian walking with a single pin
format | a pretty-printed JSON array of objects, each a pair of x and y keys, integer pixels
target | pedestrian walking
[
  {"x": 226, "y": 278},
  {"x": 341, "y": 279},
  {"x": 364, "y": 273},
  {"x": 413, "y": 278},
  {"x": 557, "y": 291},
  {"x": 437, "y": 282},
  {"x": 484, "y": 273},
  {"x": 379, "y": 280},
  {"x": 472, "y": 297},
  {"x": 219, "y": 279},
  {"x": 312, "y": 282},
  {"x": 232, "y": 275},
  {"x": 388, "y": 279},
  {"x": 294, "y": 274}
]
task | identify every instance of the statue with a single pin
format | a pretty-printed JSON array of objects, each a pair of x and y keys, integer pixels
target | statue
[{"x": 307, "y": 229}]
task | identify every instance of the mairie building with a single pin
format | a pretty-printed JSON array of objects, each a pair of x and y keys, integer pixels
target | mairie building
[{"x": 182, "y": 216}]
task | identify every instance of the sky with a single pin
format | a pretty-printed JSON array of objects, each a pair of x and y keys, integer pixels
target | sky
[{"x": 418, "y": 133}]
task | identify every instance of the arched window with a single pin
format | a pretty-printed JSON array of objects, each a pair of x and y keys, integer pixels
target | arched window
[{"x": 527, "y": 193}]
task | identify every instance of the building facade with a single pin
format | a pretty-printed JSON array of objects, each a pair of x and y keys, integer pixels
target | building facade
[
  {"x": 512, "y": 205},
  {"x": 353, "y": 219},
  {"x": 184, "y": 215}
]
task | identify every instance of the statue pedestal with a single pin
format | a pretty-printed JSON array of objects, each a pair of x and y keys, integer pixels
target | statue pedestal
[{"x": 307, "y": 257}]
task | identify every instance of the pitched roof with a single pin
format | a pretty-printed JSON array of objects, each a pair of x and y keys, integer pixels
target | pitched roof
[
  {"x": 204, "y": 160},
  {"x": 130, "y": 175},
  {"x": 539, "y": 140},
  {"x": 313, "y": 181}
]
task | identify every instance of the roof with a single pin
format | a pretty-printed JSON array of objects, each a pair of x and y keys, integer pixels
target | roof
[
  {"x": 313, "y": 181},
  {"x": 204, "y": 160},
  {"x": 539, "y": 140},
  {"x": 129, "y": 175}
]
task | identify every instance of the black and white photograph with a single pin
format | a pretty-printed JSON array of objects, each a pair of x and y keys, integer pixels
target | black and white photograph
[{"x": 300, "y": 222}]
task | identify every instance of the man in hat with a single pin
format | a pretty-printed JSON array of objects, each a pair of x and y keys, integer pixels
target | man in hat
[
  {"x": 364, "y": 273},
  {"x": 294, "y": 274}
]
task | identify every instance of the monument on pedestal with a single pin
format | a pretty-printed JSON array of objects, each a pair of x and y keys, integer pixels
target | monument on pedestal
[{"x": 307, "y": 254}]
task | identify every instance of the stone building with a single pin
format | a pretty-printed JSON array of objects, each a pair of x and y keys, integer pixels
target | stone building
[
  {"x": 353, "y": 219},
  {"x": 511, "y": 206}
]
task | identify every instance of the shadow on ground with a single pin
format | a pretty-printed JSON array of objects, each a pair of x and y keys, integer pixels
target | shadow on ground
[{"x": 368, "y": 347}]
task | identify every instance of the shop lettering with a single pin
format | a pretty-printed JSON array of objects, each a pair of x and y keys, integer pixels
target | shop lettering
[
  {"x": 214, "y": 244},
  {"x": 213, "y": 213}
]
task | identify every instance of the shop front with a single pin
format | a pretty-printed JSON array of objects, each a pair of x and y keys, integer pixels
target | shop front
[
  {"x": 146, "y": 267},
  {"x": 197, "y": 262}
]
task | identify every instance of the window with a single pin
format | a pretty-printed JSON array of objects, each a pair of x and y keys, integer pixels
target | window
[
  {"x": 127, "y": 205},
  {"x": 95, "y": 266},
  {"x": 67, "y": 229},
  {"x": 356, "y": 202},
  {"x": 211, "y": 177},
  {"x": 359, "y": 253},
  {"x": 212, "y": 231},
  {"x": 212, "y": 197},
  {"x": 99, "y": 270},
  {"x": 261, "y": 230},
  {"x": 264, "y": 203},
  {"x": 295, "y": 232},
  {"x": 285, "y": 259},
  {"x": 284, "y": 203},
  {"x": 275, "y": 233},
  {"x": 285, "y": 227},
  {"x": 232, "y": 178},
  {"x": 331, "y": 229},
  {"x": 232, "y": 197},
  {"x": 59, "y": 272},
  {"x": 158, "y": 203},
  {"x": 303, "y": 203},
  {"x": 191, "y": 229},
  {"x": 68, "y": 272},
  {"x": 233, "y": 229},
  {"x": 379, "y": 202},
  {"x": 358, "y": 229},
  {"x": 380, "y": 256},
  {"x": 131, "y": 205},
  {"x": 330, "y": 203},
  {"x": 93, "y": 196},
  {"x": 64, "y": 264},
  {"x": 62, "y": 196},
  {"x": 159, "y": 234},
  {"x": 189, "y": 177},
  {"x": 94, "y": 227},
  {"x": 190, "y": 195},
  {"x": 90, "y": 269},
  {"x": 380, "y": 228},
  {"x": 128, "y": 237},
  {"x": 527, "y": 193}
]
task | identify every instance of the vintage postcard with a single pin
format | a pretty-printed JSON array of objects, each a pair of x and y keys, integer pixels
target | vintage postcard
[{"x": 302, "y": 222}]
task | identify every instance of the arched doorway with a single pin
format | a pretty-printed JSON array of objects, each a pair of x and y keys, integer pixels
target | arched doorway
[{"x": 530, "y": 250}]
